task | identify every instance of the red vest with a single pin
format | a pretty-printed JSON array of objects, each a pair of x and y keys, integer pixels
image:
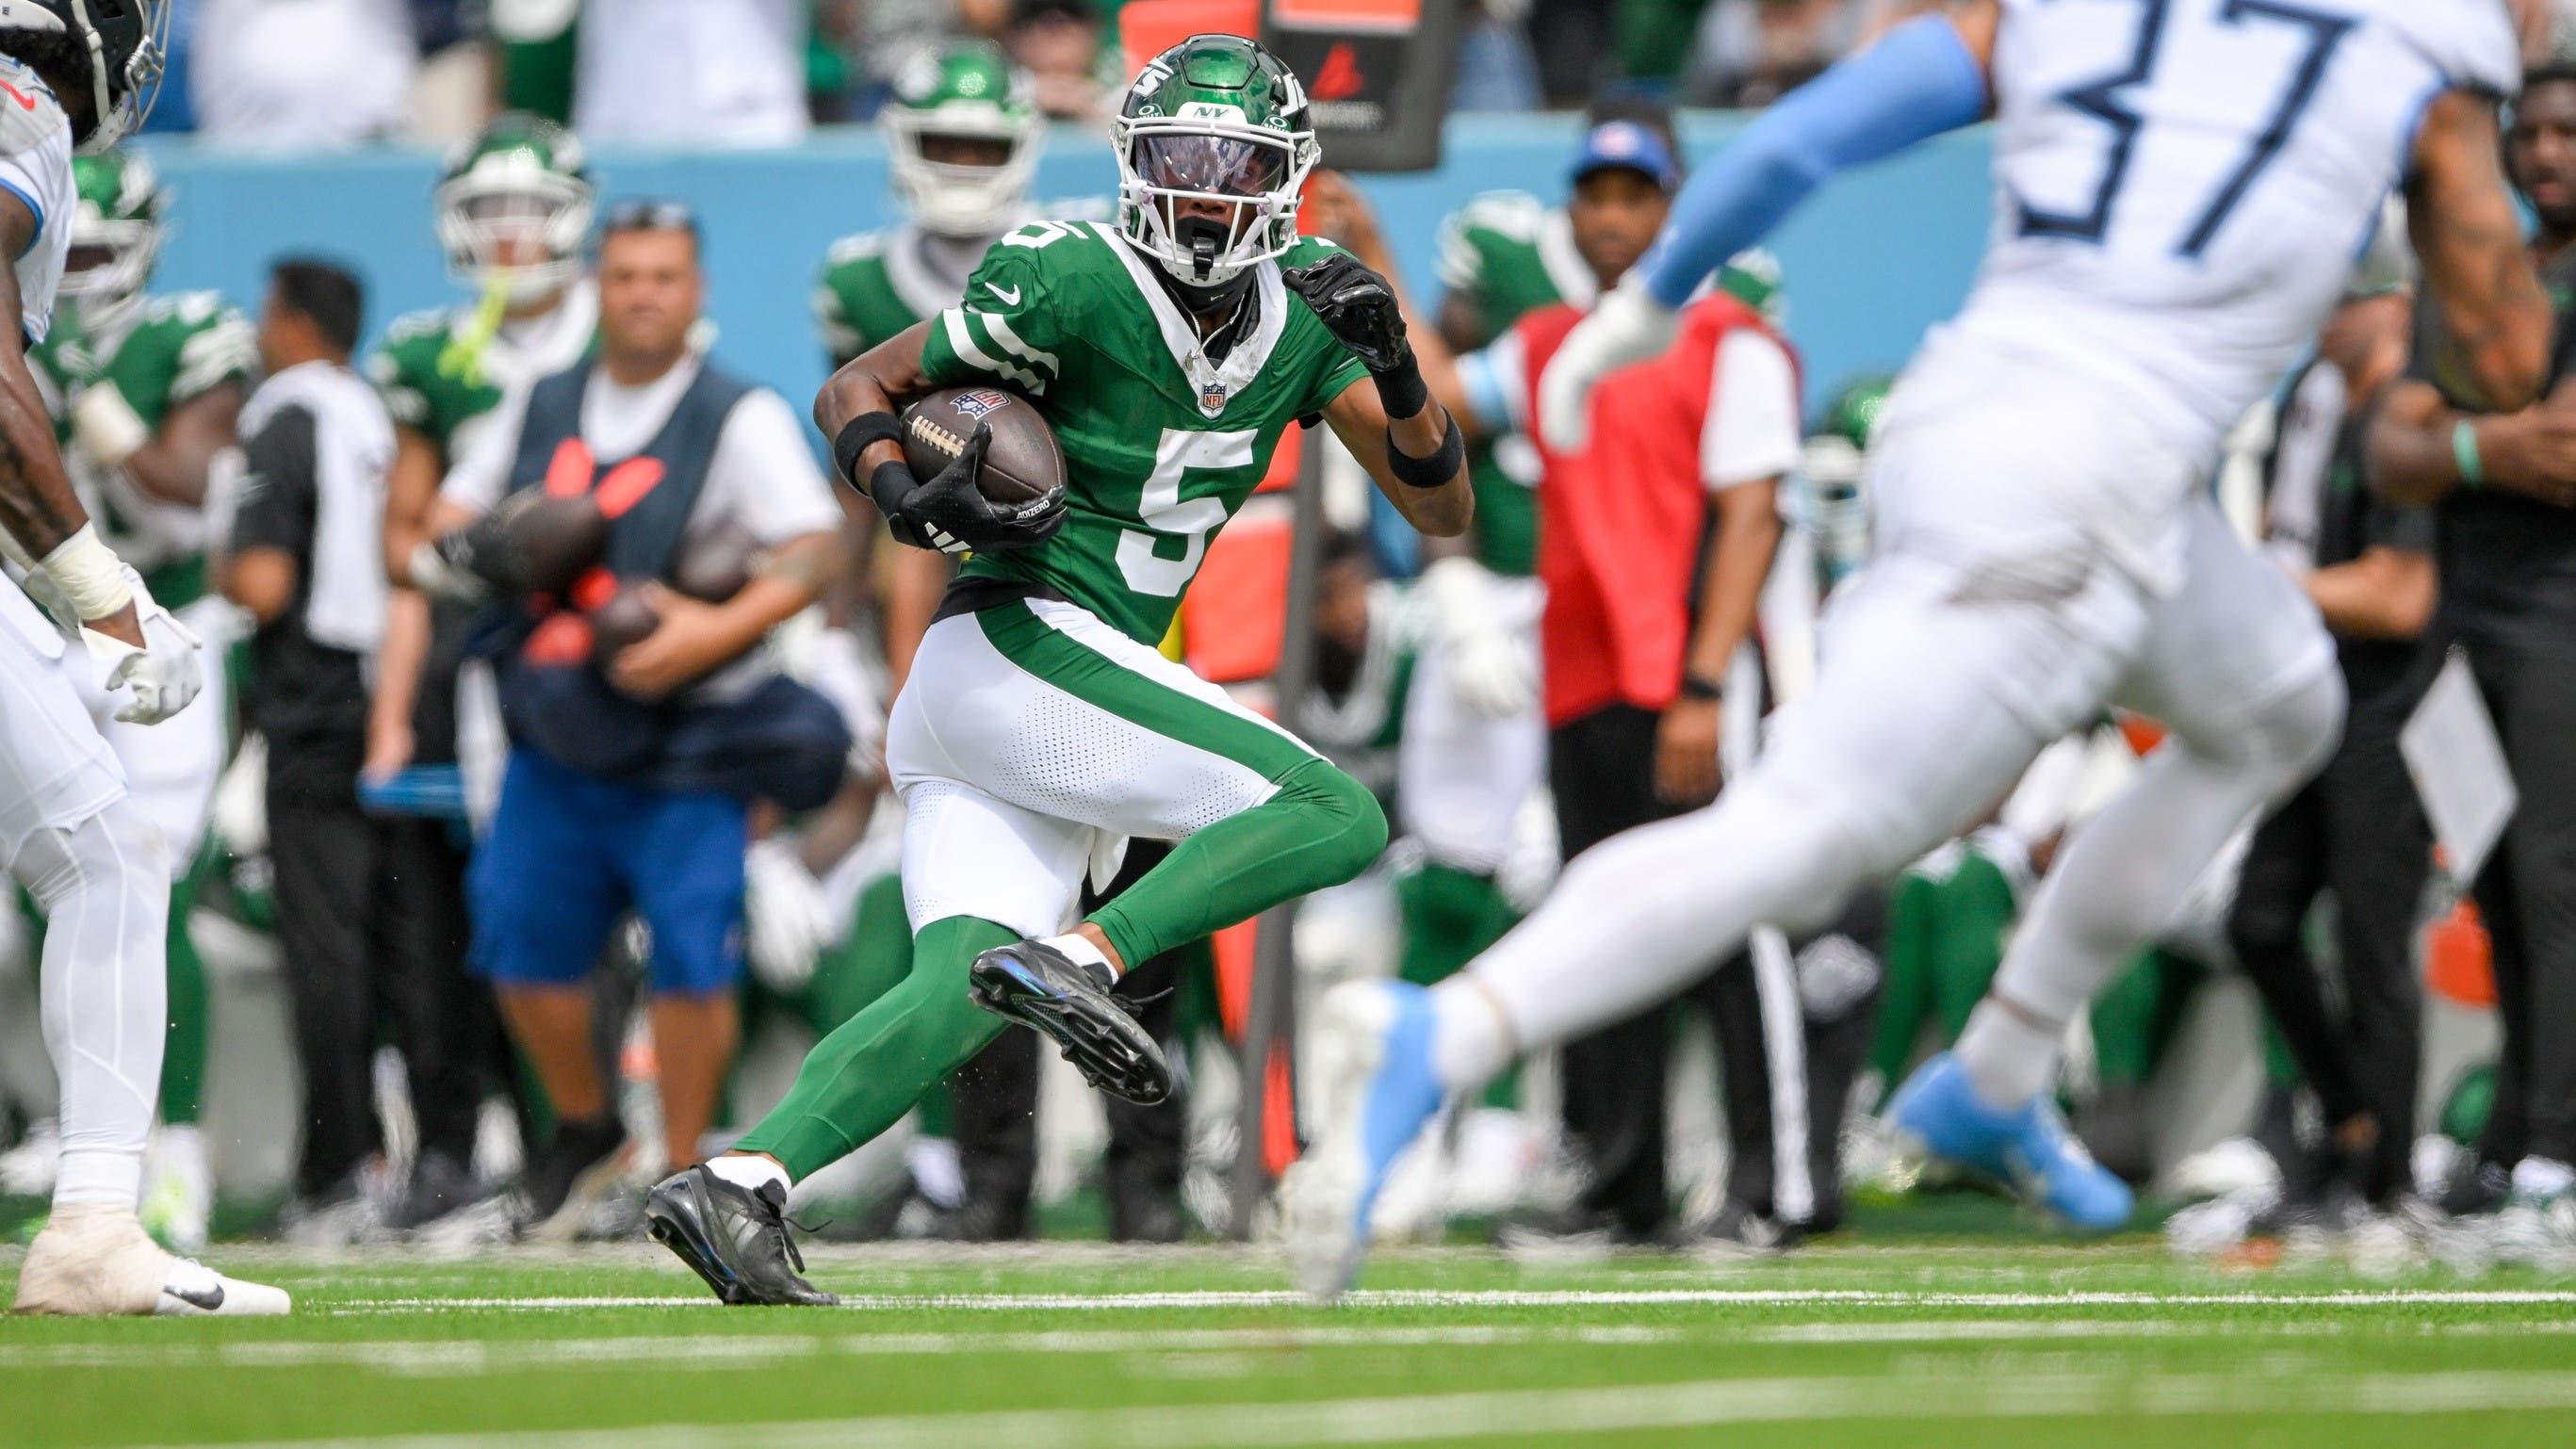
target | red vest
[{"x": 1622, "y": 524}]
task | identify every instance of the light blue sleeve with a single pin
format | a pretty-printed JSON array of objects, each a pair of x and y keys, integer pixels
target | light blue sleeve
[{"x": 1918, "y": 81}]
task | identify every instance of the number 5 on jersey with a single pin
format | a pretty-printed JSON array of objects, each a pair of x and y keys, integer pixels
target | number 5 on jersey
[{"x": 1167, "y": 517}]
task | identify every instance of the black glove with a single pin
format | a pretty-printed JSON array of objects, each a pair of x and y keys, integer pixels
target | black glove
[
  {"x": 949, "y": 512},
  {"x": 1358, "y": 307}
]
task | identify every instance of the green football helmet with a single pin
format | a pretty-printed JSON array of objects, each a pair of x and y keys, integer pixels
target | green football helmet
[
  {"x": 1214, "y": 144},
  {"x": 514, "y": 207},
  {"x": 951, "y": 103},
  {"x": 117, "y": 201}
]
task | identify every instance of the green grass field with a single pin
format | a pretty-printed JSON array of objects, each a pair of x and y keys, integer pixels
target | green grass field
[{"x": 1964, "y": 1343}]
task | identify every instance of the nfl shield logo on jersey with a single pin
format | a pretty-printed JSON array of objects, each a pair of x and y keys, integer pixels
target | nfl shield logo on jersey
[{"x": 1212, "y": 399}]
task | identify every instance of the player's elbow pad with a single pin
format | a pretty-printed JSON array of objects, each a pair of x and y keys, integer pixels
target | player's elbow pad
[{"x": 1915, "y": 83}]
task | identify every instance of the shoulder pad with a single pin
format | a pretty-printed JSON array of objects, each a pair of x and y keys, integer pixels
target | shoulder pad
[
  {"x": 1514, "y": 215},
  {"x": 854, "y": 248},
  {"x": 413, "y": 326},
  {"x": 2471, "y": 42},
  {"x": 187, "y": 309},
  {"x": 30, "y": 117},
  {"x": 1514, "y": 218}
]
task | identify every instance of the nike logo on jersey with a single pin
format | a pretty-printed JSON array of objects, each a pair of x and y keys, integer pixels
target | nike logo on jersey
[
  {"x": 208, "y": 1299},
  {"x": 25, "y": 101},
  {"x": 1010, "y": 297}
]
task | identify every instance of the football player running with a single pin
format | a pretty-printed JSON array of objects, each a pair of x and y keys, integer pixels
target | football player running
[
  {"x": 145, "y": 392},
  {"x": 72, "y": 834},
  {"x": 1039, "y": 728},
  {"x": 2182, "y": 182}
]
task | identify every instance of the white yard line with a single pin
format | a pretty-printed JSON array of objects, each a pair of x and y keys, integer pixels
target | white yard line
[
  {"x": 2017, "y": 1330},
  {"x": 1535, "y": 1298},
  {"x": 438, "y": 1358},
  {"x": 1558, "y": 1412}
]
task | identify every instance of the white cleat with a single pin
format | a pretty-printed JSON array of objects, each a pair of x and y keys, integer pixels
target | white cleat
[
  {"x": 1375, "y": 1092},
  {"x": 96, "y": 1262}
]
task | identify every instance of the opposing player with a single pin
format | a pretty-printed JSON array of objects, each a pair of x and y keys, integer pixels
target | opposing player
[
  {"x": 145, "y": 392},
  {"x": 79, "y": 74},
  {"x": 2182, "y": 183},
  {"x": 1039, "y": 728}
]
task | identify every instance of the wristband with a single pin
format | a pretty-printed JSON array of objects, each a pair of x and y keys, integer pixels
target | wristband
[
  {"x": 1431, "y": 472},
  {"x": 107, "y": 426},
  {"x": 2464, "y": 451},
  {"x": 1400, "y": 388},
  {"x": 90, "y": 575},
  {"x": 889, "y": 486},
  {"x": 858, "y": 434},
  {"x": 1700, "y": 686}
]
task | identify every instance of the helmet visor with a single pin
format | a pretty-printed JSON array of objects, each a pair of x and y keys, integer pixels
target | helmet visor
[{"x": 1219, "y": 166}]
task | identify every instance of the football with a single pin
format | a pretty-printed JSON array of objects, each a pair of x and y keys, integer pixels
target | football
[
  {"x": 625, "y": 619},
  {"x": 542, "y": 543},
  {"x": 1023, "y": 462},
  {"x": 715, "y": 567}
]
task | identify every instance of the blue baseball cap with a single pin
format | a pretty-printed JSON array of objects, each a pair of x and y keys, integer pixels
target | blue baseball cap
[{"x": 1629, "y": 147}]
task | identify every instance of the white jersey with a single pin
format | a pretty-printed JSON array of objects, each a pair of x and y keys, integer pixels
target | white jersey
[
  {"x": 2182, "y": 185},
  {"x": 36, "y": 167}
]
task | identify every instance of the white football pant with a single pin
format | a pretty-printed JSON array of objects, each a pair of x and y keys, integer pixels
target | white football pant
[
  {"x": 101, "y": 872},
  {"x": 2024, "y": 579}
]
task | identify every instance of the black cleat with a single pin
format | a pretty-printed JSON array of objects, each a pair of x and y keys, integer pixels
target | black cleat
[
  {"x": 734, "y": 1238},
  {"x": 1040, "y": 987}
]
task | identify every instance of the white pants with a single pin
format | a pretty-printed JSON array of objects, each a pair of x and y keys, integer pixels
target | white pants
[
  {"x": 2017, "y": 592},
  {"x": 1463, "y": 778},
  {"x": 101, "y": 873},
  {"x": 1021, "y": 771}
]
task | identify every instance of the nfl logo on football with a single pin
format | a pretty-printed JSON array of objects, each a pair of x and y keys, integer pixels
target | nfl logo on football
[{"x": 980, "y": 403}]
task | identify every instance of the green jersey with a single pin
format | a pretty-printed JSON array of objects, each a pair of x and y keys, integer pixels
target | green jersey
[
  {"x": 878, "y": 283},
  {"x": 438, "y": 382},
  {"x": 176, "y": 349},
  {"x": 1161, "y": 444},
  {"x": 1510, "y": 254}
]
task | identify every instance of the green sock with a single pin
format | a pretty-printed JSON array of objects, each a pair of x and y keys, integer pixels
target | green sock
[
  {"x": 1978, "y": 909},
  {"x": 862, "y": 1078},
  {"x": 1320, "y": 829},
  {"x": 2280, "y": 1069},
  {"x": 183, "y": 1043},
  {"x": 1450, "y": 916},
  {"x": 2138, "y": 1018},
  {"x": 874, "y": 960},
  {"x": 1905, "y": 1002}
]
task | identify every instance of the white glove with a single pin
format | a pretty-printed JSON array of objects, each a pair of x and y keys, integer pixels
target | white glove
[
  {"x": 1626, "y": 326},
  {"x": 164, "y": 674},
  {"x": 788, "y": 921},
  {"x": 1493, "y": 671}
]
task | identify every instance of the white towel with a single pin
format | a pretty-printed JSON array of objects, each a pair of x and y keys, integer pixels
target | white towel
[{"x": 353, "y": 448}]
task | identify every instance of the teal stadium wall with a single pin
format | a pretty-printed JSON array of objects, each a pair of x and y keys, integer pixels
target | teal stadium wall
[{"x": 1873, "y": 260}]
